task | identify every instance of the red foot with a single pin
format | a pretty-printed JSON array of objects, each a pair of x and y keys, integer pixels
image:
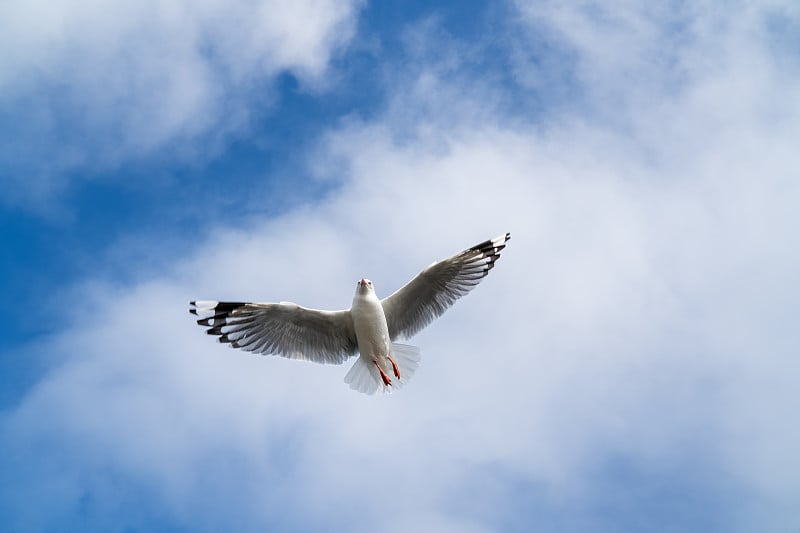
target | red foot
[
  {"x": 384, "y": 377},
  {"x": 394, "y": 367}
]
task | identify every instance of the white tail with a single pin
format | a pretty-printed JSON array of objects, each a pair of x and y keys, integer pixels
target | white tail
[{"x": 365, "y": 377}]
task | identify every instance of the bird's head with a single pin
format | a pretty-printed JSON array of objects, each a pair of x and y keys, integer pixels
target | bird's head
[{"x": 364, "y": 286}]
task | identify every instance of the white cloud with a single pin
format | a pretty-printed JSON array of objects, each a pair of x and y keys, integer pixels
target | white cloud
[
  {"x": 136, "y": 78},
  {"x": 644, "y": 309}
]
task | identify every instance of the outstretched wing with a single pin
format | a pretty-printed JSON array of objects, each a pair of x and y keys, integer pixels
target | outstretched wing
[
  {"x": 437, "y": 287},
  {"x": 284, "y": 329}
]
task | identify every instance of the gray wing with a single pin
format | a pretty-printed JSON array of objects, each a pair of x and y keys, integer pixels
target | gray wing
[
  {"x": 284, "y": 329},
  {"x": 437, "y": 287}
]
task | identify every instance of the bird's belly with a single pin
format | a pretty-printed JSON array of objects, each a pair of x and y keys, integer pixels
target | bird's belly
[{"x": 372, "y": 333}]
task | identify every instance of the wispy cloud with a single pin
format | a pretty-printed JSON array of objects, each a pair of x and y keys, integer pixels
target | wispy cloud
[
  {"x": 86, "y": 86},
  {"x": 637, "y": 338}
]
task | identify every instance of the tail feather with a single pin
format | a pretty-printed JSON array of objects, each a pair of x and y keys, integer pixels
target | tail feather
[
  {"x": 407, "y": 358},
  {"x": 364, "y": 377}
]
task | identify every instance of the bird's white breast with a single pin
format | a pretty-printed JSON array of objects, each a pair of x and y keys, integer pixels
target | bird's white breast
[{"x": 370, "y": 326}]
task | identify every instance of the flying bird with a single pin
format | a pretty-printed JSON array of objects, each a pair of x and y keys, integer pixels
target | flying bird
[{"x": 370, "y": 327}]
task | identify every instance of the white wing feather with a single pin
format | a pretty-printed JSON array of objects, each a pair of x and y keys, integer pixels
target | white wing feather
[
  {"x": 436, "y": 288},
  {"x": 284, "y": 329}
]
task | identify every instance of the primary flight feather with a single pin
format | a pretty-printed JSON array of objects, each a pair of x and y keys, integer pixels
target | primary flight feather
[{"x": 370, "y": 327}]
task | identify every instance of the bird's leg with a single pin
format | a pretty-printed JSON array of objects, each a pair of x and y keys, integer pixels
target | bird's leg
[
  {"x": 384, "y": 377},
  {"x": 394, "y": 366}
]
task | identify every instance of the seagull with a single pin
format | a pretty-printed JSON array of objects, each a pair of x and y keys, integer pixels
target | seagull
[{"x": 370, "y": 327}]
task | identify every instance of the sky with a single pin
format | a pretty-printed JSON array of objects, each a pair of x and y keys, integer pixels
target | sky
[{"x": 629, "y": 365}]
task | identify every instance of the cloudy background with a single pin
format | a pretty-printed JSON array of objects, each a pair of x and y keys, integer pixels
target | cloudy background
[{"x": 630, "y": 365}]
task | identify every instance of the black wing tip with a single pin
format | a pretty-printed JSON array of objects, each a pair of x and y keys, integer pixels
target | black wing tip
[
  {"x": 218, "y": 319},
  {"x": 492, "y": 247},
  {"x": 219, "y": 308},
  {"x": 227, "y": 307},
  {"x": 500, "y": 245}
]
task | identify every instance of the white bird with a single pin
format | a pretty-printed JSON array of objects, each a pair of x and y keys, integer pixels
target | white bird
[{"x": 369, "y": 327}]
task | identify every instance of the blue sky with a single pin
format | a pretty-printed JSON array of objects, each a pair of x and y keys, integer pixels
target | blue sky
[{"x": 629, "y": 365}]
